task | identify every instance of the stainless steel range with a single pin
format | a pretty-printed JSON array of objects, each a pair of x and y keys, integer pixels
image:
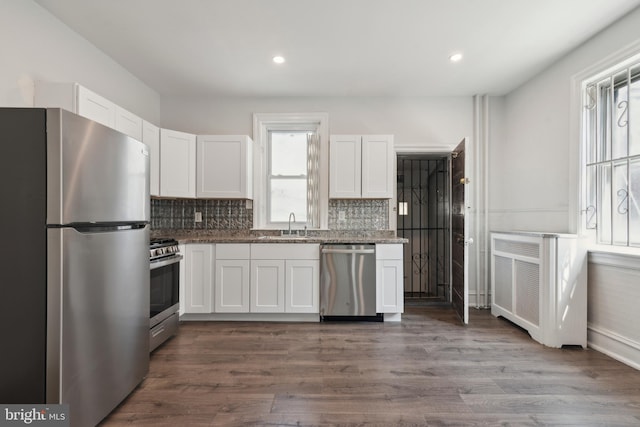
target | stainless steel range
[{"x": 164, "y": 256}]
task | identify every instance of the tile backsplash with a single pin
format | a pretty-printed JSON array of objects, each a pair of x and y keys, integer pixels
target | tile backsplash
[
  {"x": 233, "y": 215},
  {"x": 179, "y": 214},
  {"x": 368, "y": 214}
]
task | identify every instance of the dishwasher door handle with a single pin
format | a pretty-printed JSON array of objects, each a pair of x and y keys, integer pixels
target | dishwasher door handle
[{"x": 348, "y": 251}]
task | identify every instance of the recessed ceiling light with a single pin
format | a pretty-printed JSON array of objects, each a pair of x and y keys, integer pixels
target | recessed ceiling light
[
  {"x": 455, "y": 57},
  {"x": 278, "y": 59}
]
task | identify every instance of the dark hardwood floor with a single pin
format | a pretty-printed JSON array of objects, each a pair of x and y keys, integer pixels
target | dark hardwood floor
[{"x": 427, "y": 370}]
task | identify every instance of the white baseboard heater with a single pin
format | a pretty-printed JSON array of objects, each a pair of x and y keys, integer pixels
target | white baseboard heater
[{"x": 539, "y": 282}]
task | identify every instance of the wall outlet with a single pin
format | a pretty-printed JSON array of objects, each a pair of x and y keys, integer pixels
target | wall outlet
[
  {"x": 198, "y": 217},
  {"x": 342, "y": 216}
]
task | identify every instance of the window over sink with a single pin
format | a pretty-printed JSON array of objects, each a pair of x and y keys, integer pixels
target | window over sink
[
  {"x": 291, "y": 170},
  {"x": 288, "y": 175}
]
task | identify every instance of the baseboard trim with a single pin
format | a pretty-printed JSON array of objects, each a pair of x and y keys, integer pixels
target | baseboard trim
[
  {"x": 614, "y": 345},
  {"x": 251, "y": 317}
]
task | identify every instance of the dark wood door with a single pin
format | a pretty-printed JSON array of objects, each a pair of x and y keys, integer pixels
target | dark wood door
[{"x": 459, "y": 281}]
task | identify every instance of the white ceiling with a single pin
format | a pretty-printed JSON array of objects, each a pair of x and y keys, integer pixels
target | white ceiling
[{"x": 336, "y": 47}]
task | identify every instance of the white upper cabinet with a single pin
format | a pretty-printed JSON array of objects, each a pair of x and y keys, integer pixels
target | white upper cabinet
[
  {"x": 345, "y": 164},
  {"x": 225, "y": 166},
  {"x": 128, "y": 123},
  {"x": 84, "y": 102},
  {"x": 151, "y": 137},
  {"x": 377, "y": 166},
  {"x": 95, "y": 107},
  {"x": 361, "y": 166},
  {"x": 177, "y": 164}
]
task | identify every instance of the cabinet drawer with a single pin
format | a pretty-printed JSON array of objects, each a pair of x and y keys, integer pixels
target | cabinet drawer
[
  {"x": 232, "y": 251},
  {"x": 389, "y": 251},
  {"x": 285, "y": 251}
]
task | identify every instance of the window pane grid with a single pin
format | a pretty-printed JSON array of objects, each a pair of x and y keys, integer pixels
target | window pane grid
[
  {"x": 620, "y": 209},
  {"x": 288, "y": 176},
  {"x": 590, "y": 124},
  {"x": 611, "y": 143},
  {"x": 634, "y": 110},
  {"x": 634, "y": 202}
]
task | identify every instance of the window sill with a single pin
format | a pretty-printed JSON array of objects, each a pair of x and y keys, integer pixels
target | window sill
[{"x": 613, "y": 256}]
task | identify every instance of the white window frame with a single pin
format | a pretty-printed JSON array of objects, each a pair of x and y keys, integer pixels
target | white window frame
[
  {"x": 262, "y": 124},
  {"x": 622, "y": 58}
]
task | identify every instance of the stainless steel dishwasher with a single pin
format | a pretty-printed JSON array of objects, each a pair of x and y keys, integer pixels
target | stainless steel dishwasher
[{"x": 348, "y": 282}]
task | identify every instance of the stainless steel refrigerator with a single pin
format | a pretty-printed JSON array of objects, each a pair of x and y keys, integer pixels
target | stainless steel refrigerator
[{"x": 74, "y": 287}]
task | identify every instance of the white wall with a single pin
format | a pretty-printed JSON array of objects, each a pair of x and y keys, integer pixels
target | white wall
[
  {"x": 534, "y": 182},
  {"x": 37, "y": 46},
  {"x": 534, "y": 161},
  {"x": 613, "y": 295},
  {"x": 414, "y": 121}
]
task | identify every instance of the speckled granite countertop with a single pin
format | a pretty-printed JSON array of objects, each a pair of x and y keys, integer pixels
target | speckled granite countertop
[{"x": 269, "y": 236}]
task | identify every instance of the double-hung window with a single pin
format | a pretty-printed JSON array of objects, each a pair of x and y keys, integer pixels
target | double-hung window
[
  {"x": 611, "y": 153},
  {"x": 291, "y": 170},
  {"x": 291, "y": 174}
]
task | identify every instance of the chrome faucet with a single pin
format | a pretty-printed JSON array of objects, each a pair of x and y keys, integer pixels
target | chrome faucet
[{"x": 294, "y": 220}]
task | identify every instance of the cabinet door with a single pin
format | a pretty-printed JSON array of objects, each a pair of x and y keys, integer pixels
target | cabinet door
[
  {"x": 95, "y": 107},
  {"x": 177, "y": 164},
  {"x": 267, "y": 286},
  {"x": 198, "y": 259},
  {"x": 151, "y": 137},
  {"x": 302, "y": 284},
  {"x": 389, "y": 278},
  {"x": 345, "y": 162},
  {"x": 128, "y": 123},
  {"x": 224, "y": 167},
  {"x": 377, "y": 166},
  {"x": 231, "y": 286}
]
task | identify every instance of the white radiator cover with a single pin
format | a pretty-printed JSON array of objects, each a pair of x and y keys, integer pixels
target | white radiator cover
[{"x": 539, "y": 282}]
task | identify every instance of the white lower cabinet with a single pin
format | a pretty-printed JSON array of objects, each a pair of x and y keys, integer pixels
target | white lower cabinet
[
  {"x": 285, "y": 286},
  {"x": 285, "y": 278},
  {"x": 389, "y": 278},
  {"x": 231, "y": 286},
  {"x": 198, "y": 261},
  {"x": 267, "y": 286},
  {"x": 229, "y": 278},
  {"x": 302, "y": 286}
]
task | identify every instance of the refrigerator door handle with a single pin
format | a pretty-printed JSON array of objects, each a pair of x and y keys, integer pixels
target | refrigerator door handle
[{"x": 102, "y": 228}]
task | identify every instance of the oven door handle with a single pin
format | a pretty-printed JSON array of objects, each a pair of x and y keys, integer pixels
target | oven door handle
[{"x": 165, "y": 261}]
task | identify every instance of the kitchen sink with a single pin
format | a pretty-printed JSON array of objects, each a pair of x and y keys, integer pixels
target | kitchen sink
[{"x": 284, "y": 237}]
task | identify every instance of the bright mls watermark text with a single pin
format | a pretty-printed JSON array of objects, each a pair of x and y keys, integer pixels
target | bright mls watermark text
[{"x": 34, "y": 415}]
